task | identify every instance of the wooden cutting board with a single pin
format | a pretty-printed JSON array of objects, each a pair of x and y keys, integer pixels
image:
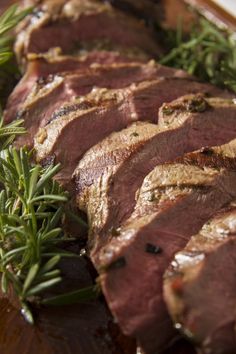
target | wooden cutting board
[
  {"x": 221, "y": 11},
  {"x": 227, "y": 5}
]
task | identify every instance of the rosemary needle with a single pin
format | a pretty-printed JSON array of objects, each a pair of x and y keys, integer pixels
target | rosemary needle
[
  {"x": 9, "y": 71},
  {"x": 9, "y": 132}
]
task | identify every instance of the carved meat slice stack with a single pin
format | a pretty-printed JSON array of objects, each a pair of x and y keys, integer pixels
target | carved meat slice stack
[
  {"x": 185, "y": 125},
  {"x": 148, "y": 152},
  {"x": 200, "y": 281},
  {"x": 200, "y": 285},
  {"x": 133, "y": 240}
]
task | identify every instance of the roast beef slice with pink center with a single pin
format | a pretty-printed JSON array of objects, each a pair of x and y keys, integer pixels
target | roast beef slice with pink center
[
  {"x": 174, "y": 202},
  {"x": 52, "y": 92},
  {"x": 112, "y": 110},
  {"x": 200, "y": 285},
  {"x": 110, "y": 173}
]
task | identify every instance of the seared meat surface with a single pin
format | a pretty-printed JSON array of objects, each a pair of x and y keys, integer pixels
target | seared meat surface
[{"x": 149, "y": 154}]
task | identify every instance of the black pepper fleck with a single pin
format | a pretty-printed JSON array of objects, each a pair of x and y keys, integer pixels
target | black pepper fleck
[
  {"x": 150, "y": 248},
  {"x": 197, "y": 104},
  {"x": 135, "y": 134},
  {"x": 115, "y": 232},
  {"x": 167, "y": 110},
  {"x": 152, "y": 197},
  {"x": 207, "y": 151},
  {"x": 48, "y": 161}
]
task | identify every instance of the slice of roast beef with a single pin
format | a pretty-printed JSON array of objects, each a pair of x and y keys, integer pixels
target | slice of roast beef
[
  {"x": 74, "y": 22},
  {"x": 100, "y": 164},
  {"x": 39, "y": 68},
  {"x": 115, "y": 110},
  {"x": 107, "y": 191},
  {"x": 50, "y": 94},
  {"x": 174, "y": 202},
  {"x": 80, "y": 127},
  {"x": 200, "y": 286}
]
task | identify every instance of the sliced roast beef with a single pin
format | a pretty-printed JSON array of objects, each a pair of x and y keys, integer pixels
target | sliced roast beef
[
  {"x": 200, "y": 286},
  {"x": 70, "y": 24},
  {"x": 41, "y": 67},
  {"x": 99, "y": 166},
  {"x": 174, "y": 202},
  {"x": 50, "y": 94},
  {"x": 116, "y": 110},
  {"x": 114, "y": 186},
  {"x": 79, "y": 129}
]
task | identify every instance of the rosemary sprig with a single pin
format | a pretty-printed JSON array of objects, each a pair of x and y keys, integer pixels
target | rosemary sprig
[
  {"x": 81, "y": 295},
  {"x": 208, "y": 53},
  {"x": 31, "y": 207},
  {"x": 9, "y": 132},
  {"x": 8, "y": 21},
  {"x": 9, "y": 72}
]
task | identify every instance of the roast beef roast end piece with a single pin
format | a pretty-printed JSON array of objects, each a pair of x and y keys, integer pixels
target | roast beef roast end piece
[
  {"x": 200, "y": 286},
  {"x": 74, "y": 23}
]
